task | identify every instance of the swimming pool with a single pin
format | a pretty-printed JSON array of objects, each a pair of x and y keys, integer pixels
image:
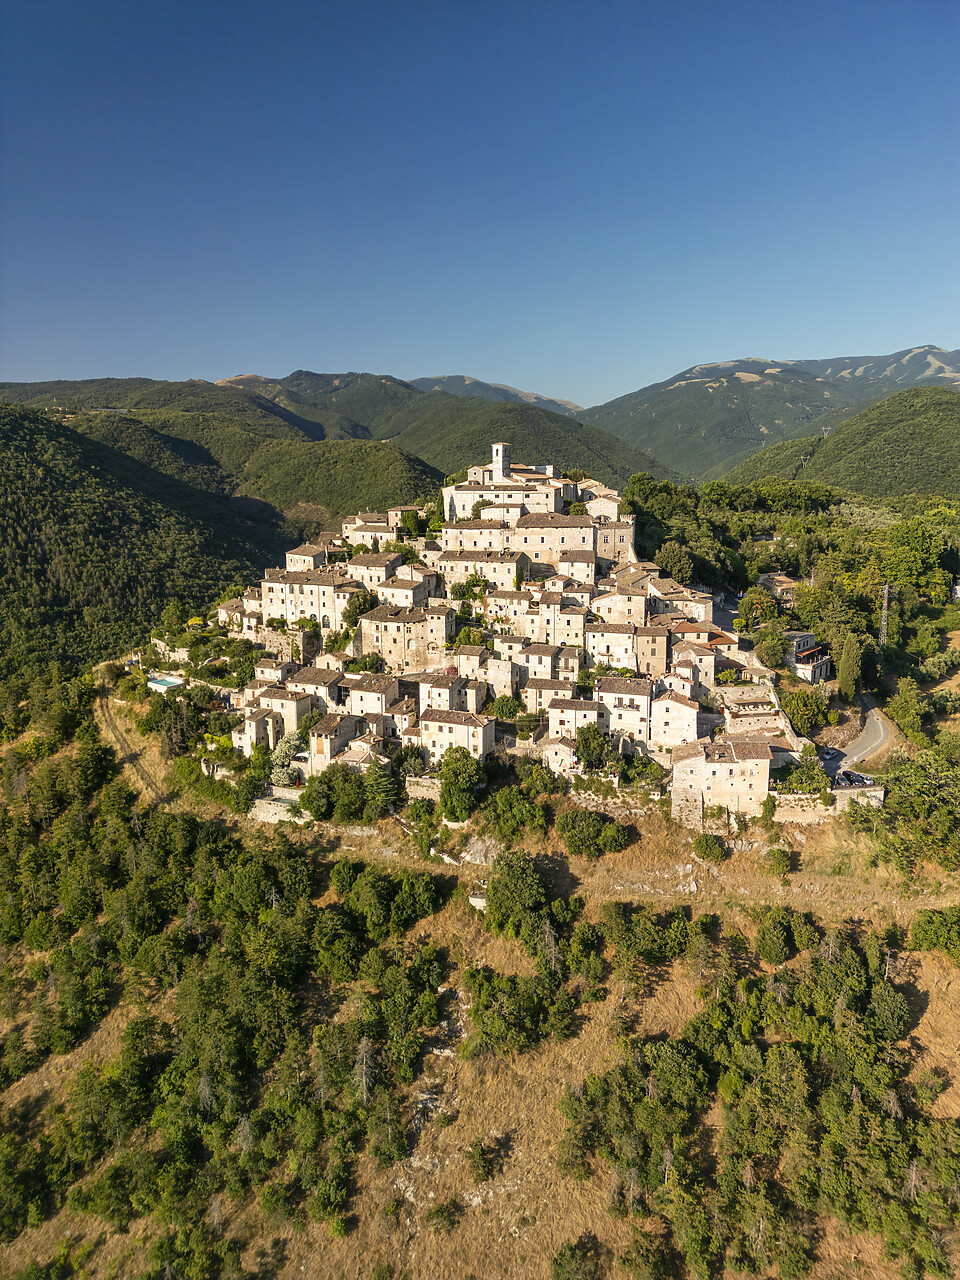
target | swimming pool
[{"x": 160, "y": 684}]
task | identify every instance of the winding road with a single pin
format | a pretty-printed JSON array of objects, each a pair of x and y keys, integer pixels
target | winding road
[{"x": 874, "y": 736}]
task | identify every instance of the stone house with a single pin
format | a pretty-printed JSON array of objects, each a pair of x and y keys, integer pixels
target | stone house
[
  {"x": 482, "y": 664},
  {"x": 537, "y": 661},
  {"x": 371, "y": 569},
  {"x": 805, "y": 658},
  {"x": 259, "y": 727},
  {"x": 566, "y": 715},
  {"x": 539, "y": 693},
  {"x": 507, "y": 608},
  {"x": 407, "y": 639},
  {"x": 437, "y": 730},
  {"x": 500, "y": 568},
  {"x": 625, "y": 707},
  {"x": 614, "y": 540},
  {"x": 322, "y": 684},
  {"x": 451, "y": 693},
  {"x": 732, "y": 773},
  {"x": 371, "y": 694},
  {"x": 674, "y": 720},
  {"x": 611, "y": 643},
  {"x": 579, "y": 565},
  {"x": 330, "y": 736}
]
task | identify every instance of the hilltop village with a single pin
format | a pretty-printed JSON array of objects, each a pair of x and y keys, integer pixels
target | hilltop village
[{"x": 524, "y": 592}]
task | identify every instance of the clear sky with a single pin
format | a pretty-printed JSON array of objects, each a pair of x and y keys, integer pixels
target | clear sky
[{"x": 573, "y": 198}]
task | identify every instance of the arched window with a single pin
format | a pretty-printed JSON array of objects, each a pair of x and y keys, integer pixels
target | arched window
[{"x": 326, "y": 621}]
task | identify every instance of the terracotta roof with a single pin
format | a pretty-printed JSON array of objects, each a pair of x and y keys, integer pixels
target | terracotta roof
[
  {"x": 671, "y": 695},
  {"x": 453, "y": 717},
  {"x": 374, "y": 560},
  {"x": 620, "y": 684},
  {"x": 553, "y": 520}
]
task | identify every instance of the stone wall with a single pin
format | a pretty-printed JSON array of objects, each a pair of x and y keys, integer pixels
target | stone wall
[
  {"x": 423, "y": 788},
  {"x": 808, "y": 809}
]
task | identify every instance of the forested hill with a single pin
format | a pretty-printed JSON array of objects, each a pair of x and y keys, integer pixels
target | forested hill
[
  {"x": 426, "y": 434},
  {"x": 454, "y": 438},
  {"x": 93, "y": 543},
  {"x": 450, "y": 431},
  {"x": 908, "y": 443}
]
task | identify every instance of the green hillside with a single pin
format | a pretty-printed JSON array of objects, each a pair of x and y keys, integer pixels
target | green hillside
[
  {"x": 94, "y": 542},
  {"x": 451, "y": 432},
  {"x": 908, "y": 443},
  {"x": 364, "y": 400},
  {"x": 255, "y": 430},
  {"x": 342, "y": 476},
  {"x": 710, "y": 414},
  {"x": 146, "y": 395}
]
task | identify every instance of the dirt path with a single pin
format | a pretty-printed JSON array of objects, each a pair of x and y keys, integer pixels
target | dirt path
[{"x": 128, "y": 754}]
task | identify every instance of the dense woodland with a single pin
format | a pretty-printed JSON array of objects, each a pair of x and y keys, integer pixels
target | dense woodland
[
  {"x": 93, "y": 544},
  {"x": 909, "y": 443}
]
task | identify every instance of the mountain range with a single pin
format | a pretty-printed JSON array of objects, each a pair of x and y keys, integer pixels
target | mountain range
[
  {"x": 458, "y": 384},
  {"x": 709, "y": 417}
]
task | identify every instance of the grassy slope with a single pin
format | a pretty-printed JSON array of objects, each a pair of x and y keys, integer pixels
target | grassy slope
[
  {"x": 909, "y": 443},
  {"x": 93, "y": 542},
  {"x": 706, "y": 416}
]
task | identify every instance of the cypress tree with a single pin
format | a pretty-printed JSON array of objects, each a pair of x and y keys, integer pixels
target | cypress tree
[
  {"x": 378, "y": 789},
  {"x": 849, "y": 669}
]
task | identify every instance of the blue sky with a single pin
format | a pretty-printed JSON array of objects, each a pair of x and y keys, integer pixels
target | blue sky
[{"x": 573, "y": 198}]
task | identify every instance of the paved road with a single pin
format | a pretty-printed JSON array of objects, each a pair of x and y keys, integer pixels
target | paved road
[{"x": 875, "y": 734}]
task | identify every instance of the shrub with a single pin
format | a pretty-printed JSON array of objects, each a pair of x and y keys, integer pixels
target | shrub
[
  {"x": 479, "y": 1161},
  {"x": 778, "y": 861},
  {"x": 710, "y": 847},
  {"x": 774, "y": 939},
  {"x": 586, "y": 834}
]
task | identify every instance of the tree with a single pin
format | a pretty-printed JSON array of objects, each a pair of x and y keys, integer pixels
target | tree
[
  {"x": 378, "y": 789},
  {"x": 676, "y": 561},
  {"x": 710, "y": 847},
  {"x": 806, "y": 710},
  {"x": 411, "y": 522},
  {"x": 848, "y": 670},
  {"x": 757, "y": 606},
  {"x": 360, "y": 602},
  {"x": 908, "y": 710},
  {"x": 594, "y": 748},
  {"x": 513, "y": 813},
  {"x": 460, "y": 773},
  {"x": 516, "y": 896},
  {"x": 771, "y": 647},
  {"x": 577, "y": 1260},
  {"x": 506, "y": 708},
  {"x": 586, "y": 834},
  {"x": 282, "y": 775},
  {"x": 173, "y": 618}
]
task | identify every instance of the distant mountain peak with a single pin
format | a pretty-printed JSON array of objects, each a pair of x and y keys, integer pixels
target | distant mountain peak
[{"x": 462, "y": 384}]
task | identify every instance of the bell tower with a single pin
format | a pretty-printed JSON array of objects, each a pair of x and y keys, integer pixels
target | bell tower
[{"x": 501, "y": 462}]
